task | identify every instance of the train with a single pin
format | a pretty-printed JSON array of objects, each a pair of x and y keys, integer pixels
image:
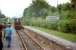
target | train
[{"x": 17, "y": 24}]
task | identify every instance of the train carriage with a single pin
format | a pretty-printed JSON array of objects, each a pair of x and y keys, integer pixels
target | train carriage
[{"x": 17, "y": 24}]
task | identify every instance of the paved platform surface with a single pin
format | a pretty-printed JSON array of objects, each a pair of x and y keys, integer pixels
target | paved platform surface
[{"x": 15, "y": 44}]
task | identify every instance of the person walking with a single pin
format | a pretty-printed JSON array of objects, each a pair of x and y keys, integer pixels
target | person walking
[{"x": 8, "y": 35}]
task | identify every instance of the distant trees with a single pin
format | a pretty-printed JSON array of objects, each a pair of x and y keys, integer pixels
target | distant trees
[
  {"x": 39, "y": 8},
  {"x": 2, "y": 15},
  {"x": 68, "y": 18},
  {"x": 3, "y": 18}
]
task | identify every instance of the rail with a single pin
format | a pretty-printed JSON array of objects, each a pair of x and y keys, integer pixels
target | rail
[
  {"x": 28, "y": 42},
  {"x": 53, "y": 42}
]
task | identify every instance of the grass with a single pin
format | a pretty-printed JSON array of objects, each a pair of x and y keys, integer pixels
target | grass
[{"x": 67, "y": 36}]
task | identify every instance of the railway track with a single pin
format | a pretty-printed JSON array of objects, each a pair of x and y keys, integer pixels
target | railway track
[
  {"x": 32, "y": 41},
  {"x": 44, "y": 42},
  {"x": 22, "y": 41},
  {"x": 28, "y": 42}
]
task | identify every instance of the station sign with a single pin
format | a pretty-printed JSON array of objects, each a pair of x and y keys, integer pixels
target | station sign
[{"x": 52, "y": 18}]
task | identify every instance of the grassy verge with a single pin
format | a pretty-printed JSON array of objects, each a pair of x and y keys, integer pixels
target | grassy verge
[{"x": 67, "y": 36}]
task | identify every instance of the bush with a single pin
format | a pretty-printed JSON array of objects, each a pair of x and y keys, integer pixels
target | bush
[
  {"x": 67, "y": 26},
  {"x": 52, "y": 26},
  {"x": 62, "y": 25},
  {"x": 72, "y": 25}
]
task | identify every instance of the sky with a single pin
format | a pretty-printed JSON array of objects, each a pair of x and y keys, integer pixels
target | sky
[{"x": 15, "y": 8}]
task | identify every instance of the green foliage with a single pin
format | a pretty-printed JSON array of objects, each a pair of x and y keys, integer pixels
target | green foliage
[
  {"x": 2, "y": 18},
  {"x": 72, "y": 25},
  {"x": 63, "y": 25},
  {"x": 2, "y": 15},
  {"x": 40, "y": 4},
  {"x": 67, "y": 26},
  {"x": 35, "y": 16},
  {"x": 39, "y": 8},
  {"x": 40, "y": 22},
  {"x": 36, "y": 13},
  {"x": 68, "y": 18}
]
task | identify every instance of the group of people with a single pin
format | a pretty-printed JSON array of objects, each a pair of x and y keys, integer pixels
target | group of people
[{"x": 5, "y": 34}]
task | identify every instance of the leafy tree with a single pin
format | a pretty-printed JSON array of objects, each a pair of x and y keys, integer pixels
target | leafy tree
[
  {"x": 2, "y": 18},
  {"x": 68, "y": 17},
  {"x": 2, "y": 15},
  {"x": 39, "y": 8}
]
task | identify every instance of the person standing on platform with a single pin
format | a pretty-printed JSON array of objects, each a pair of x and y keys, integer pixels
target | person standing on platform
[
  {"x": 8, "y": 35},
  {"x": 1, "y": 43}
]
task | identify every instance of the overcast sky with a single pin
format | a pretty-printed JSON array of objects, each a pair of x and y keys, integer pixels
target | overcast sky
[{"x": 12, "y": 8}]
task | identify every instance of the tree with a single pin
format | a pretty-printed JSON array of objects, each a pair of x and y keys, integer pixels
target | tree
[
  {"x": 39, "y": 8},
  {"x": 2, "y": 18},
  {"x": 2, "y": 15},
  {"x": 68, "y": 17}
]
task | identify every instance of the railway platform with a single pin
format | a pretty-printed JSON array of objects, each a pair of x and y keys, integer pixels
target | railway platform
[
  {"x": 32, "y": 39},
  {"x": 15, "y": 44}
]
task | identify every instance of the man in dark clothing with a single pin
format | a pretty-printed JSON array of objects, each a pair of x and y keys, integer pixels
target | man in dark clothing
[{"x": 1, "y": 44}]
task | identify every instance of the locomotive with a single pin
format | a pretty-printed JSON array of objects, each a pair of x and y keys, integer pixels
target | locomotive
[{"x": 17, "y": 24}]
